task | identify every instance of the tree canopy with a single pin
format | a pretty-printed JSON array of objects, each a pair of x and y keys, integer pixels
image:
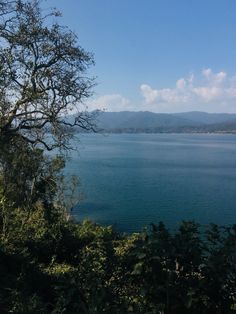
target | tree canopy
[
  {"x": 43, "y": 76},
  {"x": 43, "y": 79}
]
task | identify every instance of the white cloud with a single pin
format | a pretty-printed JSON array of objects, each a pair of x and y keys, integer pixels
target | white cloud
[
  {"x": 207, "y": 94},
  {"x": 209, "y": 91},
  {"x": 206, "y": 72},
  {"x": 110, "y": 102},
  {"x": 214, "y": 79},
  {"x": 149, "y": 94},
  {"x": 216, "y": 92},
  {"x": 181, "y": 84},
  {"x": 168, "y": 95}
]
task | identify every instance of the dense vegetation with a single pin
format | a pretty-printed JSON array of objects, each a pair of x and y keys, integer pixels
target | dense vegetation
[{"x": 49, "y": 263}]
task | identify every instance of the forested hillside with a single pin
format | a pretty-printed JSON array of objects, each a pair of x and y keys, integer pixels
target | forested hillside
[{"x": 149, "y": 122}]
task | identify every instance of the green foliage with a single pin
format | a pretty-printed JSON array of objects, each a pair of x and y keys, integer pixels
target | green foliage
[
  {"x": 51, "y": 265},
  {"x": 27, "y": 175}
]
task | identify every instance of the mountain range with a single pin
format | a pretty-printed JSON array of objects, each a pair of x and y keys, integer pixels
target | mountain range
[{"x": 145, "y": 121}]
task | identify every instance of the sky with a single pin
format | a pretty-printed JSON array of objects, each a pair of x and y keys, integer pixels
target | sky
[{"x": 157, "y": 55}]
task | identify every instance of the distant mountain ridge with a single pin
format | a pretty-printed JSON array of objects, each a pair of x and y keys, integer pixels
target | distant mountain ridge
[
  {"x": 145, "y": 121},
  {"x": 207, "y": 118}
]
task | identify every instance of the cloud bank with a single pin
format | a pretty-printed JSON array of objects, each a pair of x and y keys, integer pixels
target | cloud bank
[
  {"x": 209, "y": 91},
  {"x": 213, "y": 92},
  {"x": 110, "y": 102}
]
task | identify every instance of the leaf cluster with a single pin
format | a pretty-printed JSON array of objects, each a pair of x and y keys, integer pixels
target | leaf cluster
[{"x": 51, "y": 265}]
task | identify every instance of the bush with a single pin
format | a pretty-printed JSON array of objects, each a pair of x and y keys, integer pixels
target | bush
[{"x": 51, "y": 265}]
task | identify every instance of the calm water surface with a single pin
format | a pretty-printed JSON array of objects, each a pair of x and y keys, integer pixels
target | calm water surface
[{"x": 131, "y": 180}]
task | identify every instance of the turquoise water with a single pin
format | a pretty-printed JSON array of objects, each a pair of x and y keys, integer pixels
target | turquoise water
[{"x": 131, "y": 180}]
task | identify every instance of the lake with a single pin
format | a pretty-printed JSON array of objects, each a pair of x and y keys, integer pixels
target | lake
[{"x": 132, "y": 180}]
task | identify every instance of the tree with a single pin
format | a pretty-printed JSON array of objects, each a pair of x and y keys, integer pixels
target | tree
[{"x": 42, "y": 77}]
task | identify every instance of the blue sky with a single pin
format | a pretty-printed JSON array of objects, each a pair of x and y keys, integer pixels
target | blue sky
[{"x": 158, "y": 55}]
